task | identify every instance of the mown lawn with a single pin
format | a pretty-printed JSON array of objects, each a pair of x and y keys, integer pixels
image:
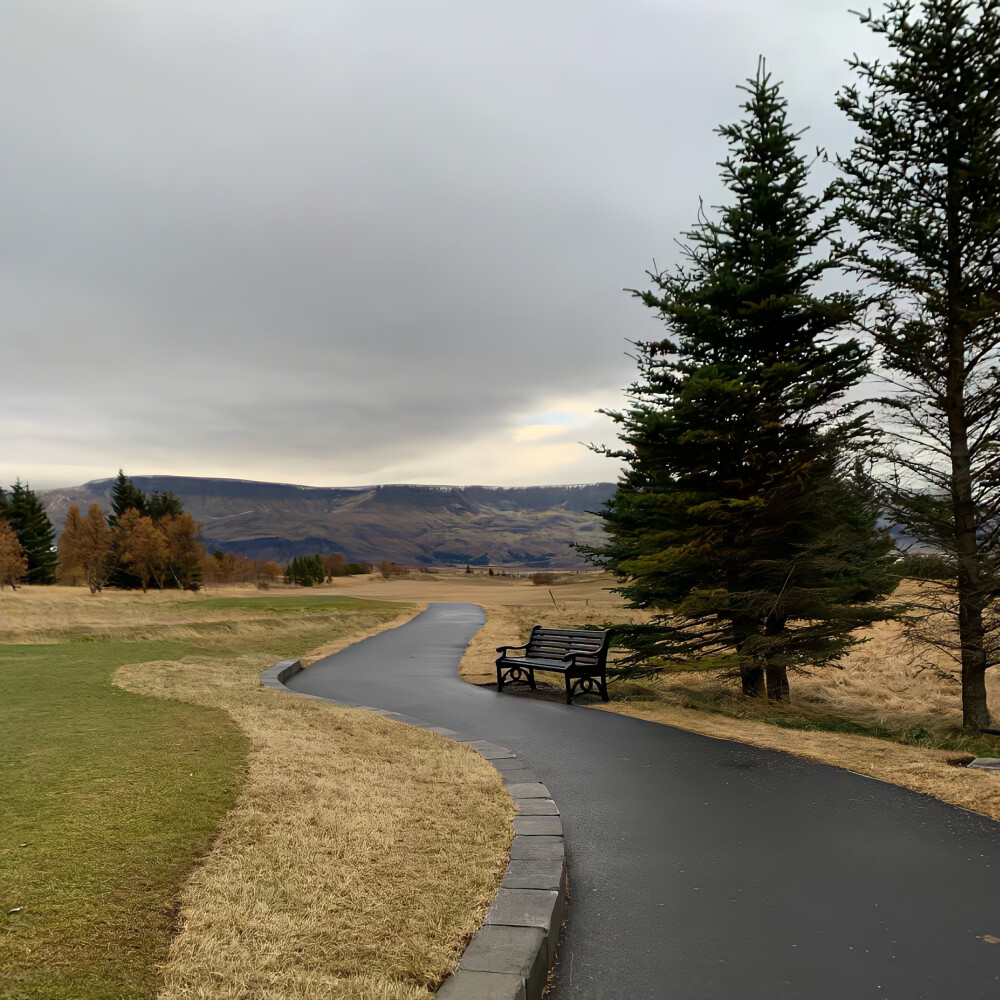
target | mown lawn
[{"x": 106, "y": 800}]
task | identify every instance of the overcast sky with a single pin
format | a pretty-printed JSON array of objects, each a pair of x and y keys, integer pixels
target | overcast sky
[{"x": 346, "y": 242}]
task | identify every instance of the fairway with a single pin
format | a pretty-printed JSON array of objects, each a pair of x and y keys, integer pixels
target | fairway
[{"x": 106, "y": 800}]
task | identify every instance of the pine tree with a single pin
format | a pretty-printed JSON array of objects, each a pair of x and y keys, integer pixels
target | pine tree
[
  {"x": 161, "y": 505},
  {"x": 922, "y": 188},
  {"x": 125, "y": 496},
  {"x": 737, "y": 515},
  {"x": 34, "y": 530}
]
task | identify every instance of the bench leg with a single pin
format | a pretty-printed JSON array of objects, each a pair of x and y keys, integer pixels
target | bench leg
[
  {"x": 569, "y": 690},
  {"x": 499, "y": 678}
]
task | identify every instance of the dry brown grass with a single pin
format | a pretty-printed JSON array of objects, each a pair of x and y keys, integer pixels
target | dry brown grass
[{"x": 361, "y": 854}]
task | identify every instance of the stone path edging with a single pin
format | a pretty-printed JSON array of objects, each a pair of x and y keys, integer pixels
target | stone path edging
[{"x": 510, "y": 957}]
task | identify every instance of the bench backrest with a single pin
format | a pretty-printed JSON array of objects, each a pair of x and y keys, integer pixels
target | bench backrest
[{"x": 590, "y": 645}]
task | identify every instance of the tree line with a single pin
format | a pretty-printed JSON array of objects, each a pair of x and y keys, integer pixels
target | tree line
[
  {"x": 751, "y": 514},
  {"x": 146, "y": 541}
]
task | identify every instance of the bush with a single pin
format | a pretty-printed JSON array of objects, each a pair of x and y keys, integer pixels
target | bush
[
  {"x": 542, "y": 579},
  {"x": 387, "y": 568},
  {"x": 305, "y": 571}
]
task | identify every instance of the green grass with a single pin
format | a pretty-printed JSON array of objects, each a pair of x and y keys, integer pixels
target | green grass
[{"x": 108, "y": 799}]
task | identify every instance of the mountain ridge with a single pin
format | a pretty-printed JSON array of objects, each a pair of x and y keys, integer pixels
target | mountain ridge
[{"x": 412, "y": 524}]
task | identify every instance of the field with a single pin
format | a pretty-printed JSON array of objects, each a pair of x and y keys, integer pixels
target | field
[
  {"x": 170, "y": 829},
  {"x": 221, "y": 840}
]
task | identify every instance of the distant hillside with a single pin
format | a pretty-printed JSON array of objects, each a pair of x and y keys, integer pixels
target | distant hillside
[{"x": 412, "y": 525}]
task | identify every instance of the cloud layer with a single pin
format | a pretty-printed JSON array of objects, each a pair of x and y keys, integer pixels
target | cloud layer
[{"x": 368, "y": 241}]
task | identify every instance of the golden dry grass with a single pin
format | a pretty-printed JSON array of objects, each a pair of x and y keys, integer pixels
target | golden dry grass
[{"x": 361, "y": 853}]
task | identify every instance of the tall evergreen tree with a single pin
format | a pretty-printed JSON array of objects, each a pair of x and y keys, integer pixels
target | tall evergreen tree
[
  {"x": 34, "y": 530},
  {"x": 125, "y": 496},
  {"x": 736, "y": 520},
  {"x": 922, "y": 187}
]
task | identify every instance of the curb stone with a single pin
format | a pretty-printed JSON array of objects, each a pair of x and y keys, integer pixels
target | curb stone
[{"x": 510, "y": 957}]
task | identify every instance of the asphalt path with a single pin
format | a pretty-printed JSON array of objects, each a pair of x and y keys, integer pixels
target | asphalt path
[{"x": 701, "y": 868}]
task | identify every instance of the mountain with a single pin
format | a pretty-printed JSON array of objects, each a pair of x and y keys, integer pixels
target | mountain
[{"x": 412, "y": 525}]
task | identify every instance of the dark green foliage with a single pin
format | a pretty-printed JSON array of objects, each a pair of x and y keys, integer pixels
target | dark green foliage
[
  {"x": 4, "y": 513},
  {"x": 161, "y": 505},
  {"x": 305, "y": 571},
  {"x": 922, "y": 188},
  {"x": 34, "y": 531},
  {"x": 738, "y": 520},
  {"x": 125, "y": 496}
]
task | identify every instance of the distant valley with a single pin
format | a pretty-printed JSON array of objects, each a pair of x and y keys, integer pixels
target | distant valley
[{"x": 412, "y": 525}]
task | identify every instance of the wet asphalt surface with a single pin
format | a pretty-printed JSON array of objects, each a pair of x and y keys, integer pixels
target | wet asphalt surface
[{"x": 701, "y": 868}]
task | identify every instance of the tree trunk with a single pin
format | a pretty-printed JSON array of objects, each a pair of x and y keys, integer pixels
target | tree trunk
[
  {"x": 971, "y": 596},
  {"x": 752, "y": 676},
  {"x": 777, "y": 677},
  {"x": 777, "y": 683}
]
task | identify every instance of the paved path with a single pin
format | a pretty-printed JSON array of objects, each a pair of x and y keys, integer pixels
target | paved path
[{"x": 706, "y": 869}]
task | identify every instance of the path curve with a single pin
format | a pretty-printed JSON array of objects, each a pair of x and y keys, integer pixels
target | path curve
[{"x": 701, "y": 868}]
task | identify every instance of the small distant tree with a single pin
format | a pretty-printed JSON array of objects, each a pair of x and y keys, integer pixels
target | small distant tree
[
  {"x": 85, "y": 547},
  {"x": 334, "y": 565},
  {"x": 141, "y": 548},
  {"x": 183, "y": 552},
  {"x": 13, "y": 561},
  {"x": 34, "y": 531},
  {"x": 304, "y": 571},
  {"x": 388, "y": 569},
  {"x": 125, "y": 496}
]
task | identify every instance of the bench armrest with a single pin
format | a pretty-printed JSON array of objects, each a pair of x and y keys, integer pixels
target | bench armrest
[{"x": 503, "y": 649}]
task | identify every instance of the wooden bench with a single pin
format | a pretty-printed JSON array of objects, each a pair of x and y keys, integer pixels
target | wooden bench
[{"x": 581, "y": 655}]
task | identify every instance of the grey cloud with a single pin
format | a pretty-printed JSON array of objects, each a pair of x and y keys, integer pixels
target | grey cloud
[{"x": 354, "y": 231}]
